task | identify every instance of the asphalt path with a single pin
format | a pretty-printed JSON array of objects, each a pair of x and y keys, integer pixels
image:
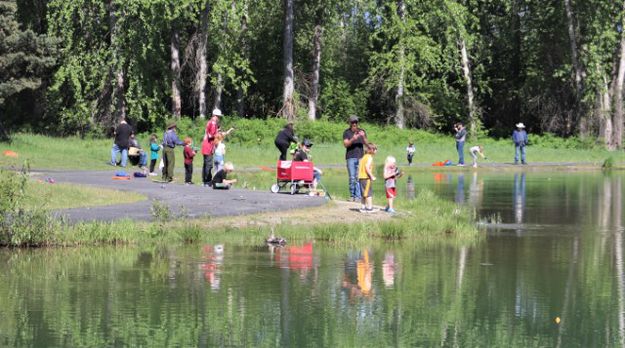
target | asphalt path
[{"x": 191, "y": 201}]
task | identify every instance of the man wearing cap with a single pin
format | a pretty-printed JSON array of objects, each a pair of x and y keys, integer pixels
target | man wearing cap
[
  {"x": 519, "y": 137},
  {"x": 208, "y": 146},
  {"x": 121, "y": 143},
  {"x": 354, "y": 139},
  {"x": 170, "y": 140}
]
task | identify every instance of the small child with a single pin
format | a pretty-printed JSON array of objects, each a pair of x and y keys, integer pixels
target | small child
[
  {"x": 154, "y": 149},
  {"x": 477, "y": 150},
  {"x": 189, "y": 153},
  {"x": 391, "y": 173},
  {"x": 410, "y": 150},
  {"x": 366, "y": 178},
  {"x": 220, "y": 180},
  {"x": 220, "y": 152}
]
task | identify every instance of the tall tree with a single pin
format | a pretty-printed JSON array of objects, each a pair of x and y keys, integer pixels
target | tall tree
[
  {"x": 313, "y": 98},
  {"x": 288, "y": 103},
  {"x": 176, "y": 100}
]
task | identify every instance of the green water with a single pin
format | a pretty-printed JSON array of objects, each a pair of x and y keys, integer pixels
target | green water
[{"x": 555, "y": 251}]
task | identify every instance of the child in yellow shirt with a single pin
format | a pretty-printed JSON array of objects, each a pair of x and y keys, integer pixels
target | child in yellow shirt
[{"x": 366, "y": 178}]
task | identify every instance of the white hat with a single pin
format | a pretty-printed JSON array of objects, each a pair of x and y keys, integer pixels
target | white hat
[
  {"x": 520, "y": 125},
  {"x": 217, "y": 112}
]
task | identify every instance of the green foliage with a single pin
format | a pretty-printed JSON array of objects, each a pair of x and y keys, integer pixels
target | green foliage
[{"x": 20, "y": 226}]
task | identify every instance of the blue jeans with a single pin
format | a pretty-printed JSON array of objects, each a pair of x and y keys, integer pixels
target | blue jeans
[
  {"x": 218, "y": 162},
  {"x": 124, "y": 153},
  {"x": 460, "y": 148},
  {"x": 352, "y": 170},
  {"x": 143, "y": 159},
  {"x": 519, "y": 148}
]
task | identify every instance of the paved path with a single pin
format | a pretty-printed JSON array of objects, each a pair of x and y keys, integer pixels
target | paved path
[{"x": 192, "y": 201}]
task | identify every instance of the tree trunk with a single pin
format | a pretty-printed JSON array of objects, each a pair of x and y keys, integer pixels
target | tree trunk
[
  {"x": 176, "y": 103},
  {"x": 578, "y": 72},
  {"x": 466, "y": 71},
  {"x": 288, "y": 104},
  {"x": 245, "y": 49},
  {"x": 400, "y": 120},
  {"x": 617, "y": 117},
  {"x": 314, "y": 91},
  {"x": 118, "y": 102},
  {"x": 200, "y": 85},
  {"x": 218, "y": 92},
  {"x": 605, "y": 119}
]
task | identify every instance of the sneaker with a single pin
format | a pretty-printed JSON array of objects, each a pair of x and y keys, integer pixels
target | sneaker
[
  {"x": 153, "y": 174},
  {"x": 386, "y": 208},
  {"x": 390, "y": 211},
  {"x": 475, "y": 166},
  {"x": 459, "y": 165},
  {"x": 524, "y": 163}
]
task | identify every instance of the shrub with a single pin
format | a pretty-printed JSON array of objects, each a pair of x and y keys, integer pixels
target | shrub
[{"x": 20, "y": 226}]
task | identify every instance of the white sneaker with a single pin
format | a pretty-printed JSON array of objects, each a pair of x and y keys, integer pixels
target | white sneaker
[
  {"x": 153, "y": 174},
  {"x": 459, "y": 165},
  {"x": 475, "y": 166}
]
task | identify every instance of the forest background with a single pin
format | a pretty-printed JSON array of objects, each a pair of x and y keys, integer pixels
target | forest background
[{"x": 75, "y": 67}]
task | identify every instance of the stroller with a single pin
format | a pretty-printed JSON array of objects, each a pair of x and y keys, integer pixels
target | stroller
[{"x": 297, "y": 175}]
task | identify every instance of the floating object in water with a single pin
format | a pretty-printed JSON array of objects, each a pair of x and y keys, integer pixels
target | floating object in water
[
  {"x": 10, "y": 153},
  {"x": 557, "y": 320},
  {"x": 276, "y": 241}
]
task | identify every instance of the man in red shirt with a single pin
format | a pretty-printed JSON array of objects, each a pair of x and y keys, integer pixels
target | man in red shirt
[{"x": 208, "y": 146}]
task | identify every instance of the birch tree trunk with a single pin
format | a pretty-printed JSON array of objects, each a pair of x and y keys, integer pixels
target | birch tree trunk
[
  {"x": 245, "y": 48},
  {"x": 314, "y": 91},
  {"x": 288, "y": 105},
  {"x": 200, "y": 85},
  {"x": 118, "y": 101},
  {"x": 400, "y": 120},
  {"x": 176, "y": 102},
  {"x": 466, "y": 71},
  {"x": 605, "y": 118},
  {"x": 218, "y": 92},
  {"x": 578, "y": 73},
  {"x": 617, "y": 117}
]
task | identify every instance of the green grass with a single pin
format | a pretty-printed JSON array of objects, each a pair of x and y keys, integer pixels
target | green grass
[
  {"x": 62, "y": 196},
  {"x": 75, "y": 153}
]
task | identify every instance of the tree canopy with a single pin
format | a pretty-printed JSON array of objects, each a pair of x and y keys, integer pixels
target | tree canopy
[{"x": 557, "y": 65}]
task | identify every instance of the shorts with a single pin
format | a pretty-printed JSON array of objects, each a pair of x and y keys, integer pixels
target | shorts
[
  {"x": 391, "y": 192},
  {"x": 366, "y": 189}
]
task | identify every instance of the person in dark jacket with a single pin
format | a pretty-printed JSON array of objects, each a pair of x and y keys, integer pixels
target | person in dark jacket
[
  {"x": 284, "y": 139},
  {"x": 460, "y": 136},
  {"x": 170, "y": 140},
  {"x": 519, "y": 137},
  {"x": 354, "y": 140},
  {"x": 121, "y": 143}
]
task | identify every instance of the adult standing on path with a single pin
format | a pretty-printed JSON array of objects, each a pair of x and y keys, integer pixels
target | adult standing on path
[
  {"x": 519, "y": 137},
  {"x": 461, "y": 136},
  {"x": 121, "y": 143},
  {"x": 354, "y": 140},
  {"x": 208, "y": 146},
  {"x": 284, "y": 139},
  {"x": 170, "y": 140}
]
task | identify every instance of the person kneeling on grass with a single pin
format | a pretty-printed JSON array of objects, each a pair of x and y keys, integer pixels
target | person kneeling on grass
[{"x": 220, "y": 180}]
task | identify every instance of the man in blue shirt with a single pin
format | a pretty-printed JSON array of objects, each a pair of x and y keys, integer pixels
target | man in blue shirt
[{"x": 519, "y": 137}]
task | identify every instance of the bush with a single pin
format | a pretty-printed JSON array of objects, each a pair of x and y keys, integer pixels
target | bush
[{"x": 20, "y": 226}]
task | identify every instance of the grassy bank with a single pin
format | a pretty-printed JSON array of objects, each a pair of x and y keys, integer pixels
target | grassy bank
[
  {"x": 24, "y": 222},
  {"x": 249, "y": 147}
]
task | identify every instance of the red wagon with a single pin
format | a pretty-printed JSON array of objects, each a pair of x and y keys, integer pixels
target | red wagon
[{"x": 296, "y": 174}]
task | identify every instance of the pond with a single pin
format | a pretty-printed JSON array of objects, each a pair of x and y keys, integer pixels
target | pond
[{"x": 550, "y": 272}]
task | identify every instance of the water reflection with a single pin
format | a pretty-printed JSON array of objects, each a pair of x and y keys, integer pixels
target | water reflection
[
  {"x": 357, "y": 278},
  {"x": 459, "y": 196},
  {"x": 213, "y": 257},
  {"x": 410, "y": 190},
  {"x": 476, "y": 190},
  {"x": 388, "y": 269},
  {"x": 519, "y": 197}
]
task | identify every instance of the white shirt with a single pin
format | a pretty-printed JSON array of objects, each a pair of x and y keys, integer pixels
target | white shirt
[{"x": 220, "y": 150}]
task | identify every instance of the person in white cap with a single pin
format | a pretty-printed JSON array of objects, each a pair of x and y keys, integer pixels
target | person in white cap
[{"x": 519, "y": 137}]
